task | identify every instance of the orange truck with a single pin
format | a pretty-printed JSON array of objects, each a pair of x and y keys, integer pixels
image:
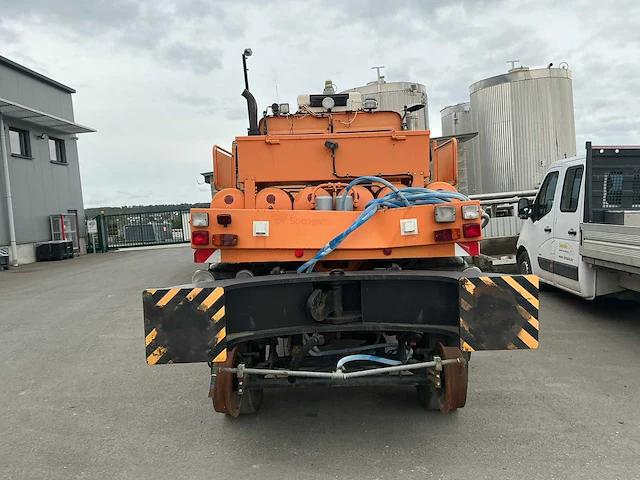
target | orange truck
[{"x": 339, "y": 256}]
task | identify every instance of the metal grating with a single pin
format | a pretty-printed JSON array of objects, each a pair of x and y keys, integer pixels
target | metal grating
[{"x": 612, "y": 189}]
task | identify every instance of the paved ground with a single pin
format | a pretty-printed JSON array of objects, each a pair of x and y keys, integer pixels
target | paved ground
[{"x": 78, "y": 401}]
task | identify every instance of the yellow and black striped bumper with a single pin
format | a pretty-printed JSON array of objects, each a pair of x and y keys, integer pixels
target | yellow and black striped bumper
[
  {"x": 197, "y": 324},
  {"x": 188, "y": 326},
  {"x": 499, "y": 312}
]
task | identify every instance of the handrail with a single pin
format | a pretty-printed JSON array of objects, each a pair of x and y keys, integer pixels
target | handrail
[{"x": 506, "y": 195}]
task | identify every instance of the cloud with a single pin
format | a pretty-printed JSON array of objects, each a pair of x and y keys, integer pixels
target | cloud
[
  {"x": 211, "y": 105},
  {"x": 200, "y": 60},
  {"x": 161, "y": 80}
]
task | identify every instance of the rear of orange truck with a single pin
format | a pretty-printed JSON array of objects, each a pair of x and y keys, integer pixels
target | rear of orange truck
[{"x": 338, "y": 252}]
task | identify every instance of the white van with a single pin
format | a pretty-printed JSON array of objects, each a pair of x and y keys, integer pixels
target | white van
[{"x": 582, "y": 231}]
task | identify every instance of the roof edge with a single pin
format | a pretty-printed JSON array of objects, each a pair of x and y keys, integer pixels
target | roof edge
[
  {"x": 520, "y": 75},
  {"x": 36, "y": 75}
]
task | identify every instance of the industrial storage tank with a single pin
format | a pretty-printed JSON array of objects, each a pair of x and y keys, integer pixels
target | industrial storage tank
[
  {"x": 395, "y": 95},
  {"x": 456, "y": 121},
  {"x": 525, "y": 122}
]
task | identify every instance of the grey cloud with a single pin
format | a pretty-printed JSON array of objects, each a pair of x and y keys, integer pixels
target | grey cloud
[
  {"x": 9, "y": 36},
  {"x": 145, "y": 28},
  {"x": 200, "y": 60},
  {"x": 76, "y": 14},
  {"x": 211, "y": 105}
]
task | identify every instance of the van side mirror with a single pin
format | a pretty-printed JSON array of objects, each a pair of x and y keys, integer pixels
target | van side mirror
[{"x": 524, "y": 208}]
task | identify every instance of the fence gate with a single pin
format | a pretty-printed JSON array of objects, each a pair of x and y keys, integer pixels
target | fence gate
[{"x": 142, "y": 229}]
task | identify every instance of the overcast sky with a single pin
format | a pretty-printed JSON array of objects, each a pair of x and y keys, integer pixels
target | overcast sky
[{"x": 161, "y": 80}]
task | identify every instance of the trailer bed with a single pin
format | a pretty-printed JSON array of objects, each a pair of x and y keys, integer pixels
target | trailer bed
[{"x": 611, "y": 246}]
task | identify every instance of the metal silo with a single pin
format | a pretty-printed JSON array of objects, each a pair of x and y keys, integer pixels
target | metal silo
[
  {"x": 456, "y": 121},
  {"x": 525, "y": 122},
  {"x": 395, "y": 95}
]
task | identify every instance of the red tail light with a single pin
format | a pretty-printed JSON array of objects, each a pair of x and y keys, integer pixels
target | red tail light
[
  {"x": 386, "y": 251},
  {"x": 298, "y": 253},
  {"x": 224, "y": 239},
  {"x": 447, "y": 235},
  {"x": 200, "y": 238},
  {"x": 471, "y": 230}
]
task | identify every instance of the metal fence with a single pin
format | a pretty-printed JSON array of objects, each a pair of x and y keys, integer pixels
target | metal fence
[{"x": 142, "y": 229}]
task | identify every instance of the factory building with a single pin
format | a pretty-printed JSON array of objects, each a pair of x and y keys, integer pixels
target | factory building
[{"x": 41, "y": 194}]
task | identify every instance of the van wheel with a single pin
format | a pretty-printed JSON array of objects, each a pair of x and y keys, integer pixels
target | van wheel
[{"x": 524, "y": 264}]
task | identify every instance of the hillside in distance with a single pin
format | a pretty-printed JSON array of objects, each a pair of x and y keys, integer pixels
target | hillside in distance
[{"x": 93, "y": 212}]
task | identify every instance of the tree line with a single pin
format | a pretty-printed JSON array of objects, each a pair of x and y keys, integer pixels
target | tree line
[{"x": 93, "y": 212}]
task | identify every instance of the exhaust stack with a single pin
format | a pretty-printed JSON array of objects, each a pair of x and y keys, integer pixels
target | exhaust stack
[{"x": 252, "y": 105}]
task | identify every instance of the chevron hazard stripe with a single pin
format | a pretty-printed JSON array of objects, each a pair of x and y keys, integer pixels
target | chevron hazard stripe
[
  {"x": 185, "y": 325},
  {"x": 499, "y": 312}
]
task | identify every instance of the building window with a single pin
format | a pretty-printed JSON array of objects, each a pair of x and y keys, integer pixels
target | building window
[
  {"x": 57, "y": 152},
  {"x": 19, "y": 140}
]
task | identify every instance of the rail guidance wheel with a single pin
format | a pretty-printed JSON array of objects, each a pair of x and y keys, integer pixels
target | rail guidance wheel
[
  {"x": 226, "y": 398},
  {"x": 454, "y": 379}
]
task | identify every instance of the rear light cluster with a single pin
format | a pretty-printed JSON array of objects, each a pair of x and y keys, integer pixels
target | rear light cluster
[
  {"x": 224, "y": 239},
  {"x": 217, "y": 239},
  {"x": 469, "y": 230},
  {"x": 447, "y": 234},
  {"x": 200, "y": 219},
  {"x": 447, "y": 213},
  {"x": 200, "y": 238},
  {"x": 224, "y": 219},
  {"x": 470, "y": 212}
]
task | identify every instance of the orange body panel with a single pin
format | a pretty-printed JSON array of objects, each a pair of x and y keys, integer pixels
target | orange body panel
[
  {"x": 282, "y": 159},
  {"x": 291, "y": 161},
  {"x": 228, "y": 255},
  {"x": 309, "y": 230},
  {"x": 224, "y": 168},
  {"x": 445, "y": 162}
]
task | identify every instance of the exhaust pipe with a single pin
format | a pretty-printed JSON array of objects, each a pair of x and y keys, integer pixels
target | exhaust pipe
[{"x": 252, "y": 106}]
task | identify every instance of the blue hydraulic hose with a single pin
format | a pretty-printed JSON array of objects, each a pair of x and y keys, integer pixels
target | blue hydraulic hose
[
  {"x": 369, "y": 358},
  {"x": 398, "y": 197}
]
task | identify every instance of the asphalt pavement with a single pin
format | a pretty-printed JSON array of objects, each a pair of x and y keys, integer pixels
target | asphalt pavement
[{"x": 77, "y": 400}]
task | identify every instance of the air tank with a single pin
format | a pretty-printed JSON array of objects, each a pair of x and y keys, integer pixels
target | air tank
[
  {"x": 395, "y": 95},
  {"x": 525, "y": 122},
  {"x": 456, "y": 121}
]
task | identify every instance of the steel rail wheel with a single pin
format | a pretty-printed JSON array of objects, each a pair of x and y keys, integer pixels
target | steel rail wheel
[
  {"x": 454, "y": 379},
  {"x": 226, "y": 398}
]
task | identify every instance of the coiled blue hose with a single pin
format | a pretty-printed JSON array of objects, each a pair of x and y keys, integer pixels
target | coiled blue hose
[{"x": 398, "y": 197}]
